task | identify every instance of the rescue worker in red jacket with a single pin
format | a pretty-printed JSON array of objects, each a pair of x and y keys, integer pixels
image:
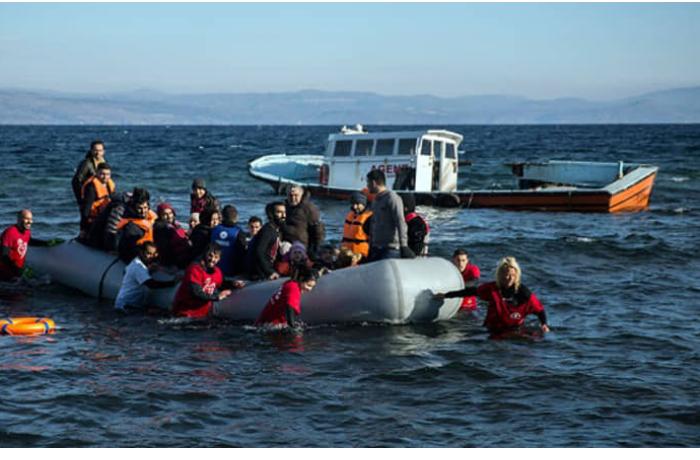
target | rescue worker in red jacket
[
  {"x": 470, "y": 275},
  {"x": 201, "y": 286},
  {"x": 96, "y": 195},
  {"x": 509, "y": 301},
  {"x": 15, "y": 241},
  {"x": 284, "y": 307},
  {"x": 358, "y": 226}
]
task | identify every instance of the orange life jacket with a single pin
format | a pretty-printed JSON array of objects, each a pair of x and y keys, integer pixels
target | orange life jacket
[
  {"x": 144, "y": 224},
  {"x": 354, "y": 236},
  {"x": 102, "y": 194}
]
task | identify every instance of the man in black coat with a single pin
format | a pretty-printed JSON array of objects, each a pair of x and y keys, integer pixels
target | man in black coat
[
  {"x": 262, "y": 249},
  {"x": 303, "y": 221},
  {"x": 87, "y": 168}
]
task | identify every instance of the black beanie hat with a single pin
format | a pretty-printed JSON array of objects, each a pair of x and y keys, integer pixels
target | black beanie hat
[
  {"x": 358, "y": 197},
  {"x": 199, "y": 183}
]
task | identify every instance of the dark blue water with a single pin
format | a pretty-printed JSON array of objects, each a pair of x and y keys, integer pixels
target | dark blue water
[{"x": 621, "y": 367}]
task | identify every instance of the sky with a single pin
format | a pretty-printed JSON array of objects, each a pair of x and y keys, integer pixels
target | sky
[{"x": 542, "y": 51}]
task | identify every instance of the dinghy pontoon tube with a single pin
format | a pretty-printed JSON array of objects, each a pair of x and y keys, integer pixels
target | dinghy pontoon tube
[{"x": 395, "y": 291}]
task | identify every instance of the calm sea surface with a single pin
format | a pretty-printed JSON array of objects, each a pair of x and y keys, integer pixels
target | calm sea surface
[{"x": 621, "y": 367}]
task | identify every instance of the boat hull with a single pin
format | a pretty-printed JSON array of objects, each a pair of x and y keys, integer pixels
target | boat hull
[
  {"x": 631, "y": 193},
  {"x": 395, "y": 291}
]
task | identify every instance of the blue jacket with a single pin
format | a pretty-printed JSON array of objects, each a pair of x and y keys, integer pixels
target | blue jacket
[{"x": 232, "y": 242}]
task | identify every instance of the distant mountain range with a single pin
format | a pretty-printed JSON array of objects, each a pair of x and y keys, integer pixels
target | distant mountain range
[{"x": 312, "y": 107}]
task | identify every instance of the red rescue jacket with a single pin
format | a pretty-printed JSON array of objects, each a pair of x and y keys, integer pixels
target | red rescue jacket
[{"x": 502, "y": 314}]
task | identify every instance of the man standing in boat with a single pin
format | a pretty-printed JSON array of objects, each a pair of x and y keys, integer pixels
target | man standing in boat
[
  {"x": 388, "y": 237},
  {"x": 263, "y": 248},
  {"x": 88, "y": 168},
  {"x": 303, "y": 221}
]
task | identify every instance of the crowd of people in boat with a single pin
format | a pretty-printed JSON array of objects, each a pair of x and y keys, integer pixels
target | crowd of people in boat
[{"x": 218, "y": 255}]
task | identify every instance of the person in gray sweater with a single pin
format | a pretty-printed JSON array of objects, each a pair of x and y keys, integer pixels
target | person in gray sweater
[{"x": 388, "y": 237}]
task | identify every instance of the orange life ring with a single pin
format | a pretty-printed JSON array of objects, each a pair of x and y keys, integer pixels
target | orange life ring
[{"x": 27, "y": 326}]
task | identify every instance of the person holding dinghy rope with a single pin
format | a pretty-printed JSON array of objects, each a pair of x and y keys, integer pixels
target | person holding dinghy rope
[
  {"x": 509, "y": 301},
  {"x": 284, "y": 307},
  {"x": 137, "y": 280},
  {"x": 15, "y": 241},
  {"x": 201, "y": 286}
]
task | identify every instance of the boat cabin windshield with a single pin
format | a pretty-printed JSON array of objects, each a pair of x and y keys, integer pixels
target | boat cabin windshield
[
  {"x": 376, "y": 147},
  {"x": 424, "y": 160}
]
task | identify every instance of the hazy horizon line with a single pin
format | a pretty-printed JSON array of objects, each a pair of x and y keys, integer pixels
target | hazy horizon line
[{"x": 354, "y": 91}]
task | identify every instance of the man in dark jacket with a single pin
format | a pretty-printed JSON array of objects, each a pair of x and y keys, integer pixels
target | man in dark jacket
[
  {"x": 417, "y": 228},
  {"x": 88, "y": 168},
  {"x": 262, "y": 250},
  {"x": 201, "y": 235},
  {"x": 303, "y": 221}
]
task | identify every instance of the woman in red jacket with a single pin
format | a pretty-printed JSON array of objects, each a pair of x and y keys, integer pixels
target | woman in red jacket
[
  {"x": 284, "y": 307},
  {"x": 509, "y": 301}
]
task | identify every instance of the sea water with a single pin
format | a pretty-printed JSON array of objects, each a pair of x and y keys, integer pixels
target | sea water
[{"x": 621, "y": 366}]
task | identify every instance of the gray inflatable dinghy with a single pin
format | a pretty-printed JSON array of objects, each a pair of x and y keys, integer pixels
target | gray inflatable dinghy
[{"x": 395, "y": 291}]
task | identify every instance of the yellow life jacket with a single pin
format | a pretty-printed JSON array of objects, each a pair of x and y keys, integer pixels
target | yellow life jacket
[{"x": 354, "y": 236}]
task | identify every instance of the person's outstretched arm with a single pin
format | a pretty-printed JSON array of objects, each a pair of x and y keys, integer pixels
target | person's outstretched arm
[{"x": 466, "y": 292}]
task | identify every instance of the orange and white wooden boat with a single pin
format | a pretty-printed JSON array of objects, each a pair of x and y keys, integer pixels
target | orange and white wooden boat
[{"x": 426, "y": 163}]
